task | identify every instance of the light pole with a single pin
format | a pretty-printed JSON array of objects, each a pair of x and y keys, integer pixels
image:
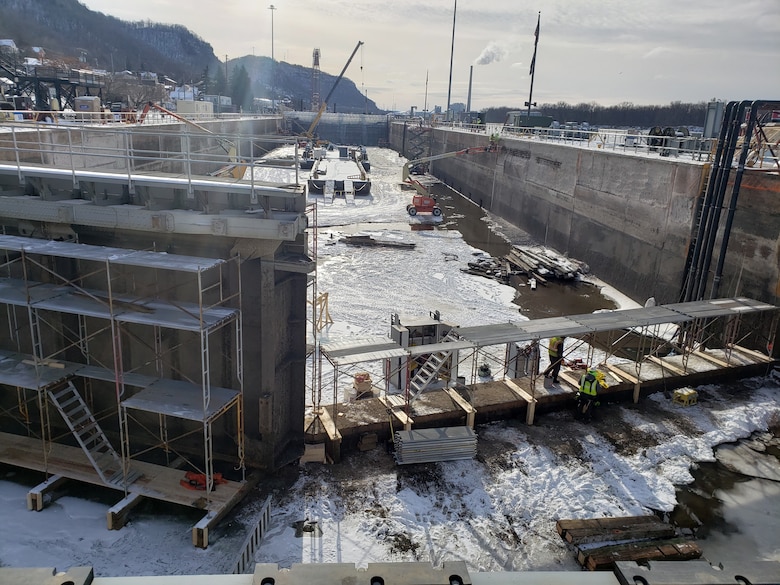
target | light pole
[
  {"x": 273, "y": 63},
  {"x": 452, "y": 53}
]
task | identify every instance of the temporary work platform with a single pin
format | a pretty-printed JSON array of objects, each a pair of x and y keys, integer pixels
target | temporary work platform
[{"x": 675, "y": 343}]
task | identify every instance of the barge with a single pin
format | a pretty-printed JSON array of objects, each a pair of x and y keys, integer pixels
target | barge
[{"x": 340, "y": 170}]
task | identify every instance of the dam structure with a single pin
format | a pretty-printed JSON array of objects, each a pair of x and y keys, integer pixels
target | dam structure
[
  {"x": 155, "y": 292},
  {"x": 156, "y": 306}
]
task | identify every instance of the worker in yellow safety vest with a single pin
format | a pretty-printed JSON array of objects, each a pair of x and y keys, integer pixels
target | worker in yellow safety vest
[
  {"x": 589, "y": 389},
  {"x": 555, "y": 353},
  {"x": 589, "y": 382}
]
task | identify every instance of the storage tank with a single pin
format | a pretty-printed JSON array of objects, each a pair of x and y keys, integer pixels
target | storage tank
[{"x": 87, "y": 107}]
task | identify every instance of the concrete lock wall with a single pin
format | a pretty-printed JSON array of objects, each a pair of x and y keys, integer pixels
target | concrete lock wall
[
  {"x": 630, "y": 218},
  {"x": 273, "y": 309}
]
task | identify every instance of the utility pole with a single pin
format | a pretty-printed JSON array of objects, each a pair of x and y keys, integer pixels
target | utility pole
[
  {"x": 452, "y": 53},
  {"x": 272, "y": 8},
  {"x": 530, "y": 102}
]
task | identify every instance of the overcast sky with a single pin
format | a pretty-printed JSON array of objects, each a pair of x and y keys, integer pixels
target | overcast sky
[{"x": 603, "y": 51}]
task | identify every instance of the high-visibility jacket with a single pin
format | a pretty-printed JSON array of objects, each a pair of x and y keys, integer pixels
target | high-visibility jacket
[
  {"x": 554, "y": 347},
  {"x": 589, "y": 384}
]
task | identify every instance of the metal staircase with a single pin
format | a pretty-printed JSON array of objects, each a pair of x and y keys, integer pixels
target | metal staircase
[
  {"x": 428, "y": 372},
  {"x": 89, "y": 435}
]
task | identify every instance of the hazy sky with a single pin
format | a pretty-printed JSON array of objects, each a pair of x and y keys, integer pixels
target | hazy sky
[{"x": 604, "y": 51}]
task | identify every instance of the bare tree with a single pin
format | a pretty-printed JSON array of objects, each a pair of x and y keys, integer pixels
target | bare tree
[{"x": 133, "y": 91}]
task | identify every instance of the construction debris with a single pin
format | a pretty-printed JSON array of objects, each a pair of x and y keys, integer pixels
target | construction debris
[
  {"x": 600, "y": 542},
  {"x": 370, "y": 241},
  {"x": 544, "y": 264}
]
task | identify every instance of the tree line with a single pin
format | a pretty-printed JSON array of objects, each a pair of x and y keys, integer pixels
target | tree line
[{"x": 625, "y": 114}]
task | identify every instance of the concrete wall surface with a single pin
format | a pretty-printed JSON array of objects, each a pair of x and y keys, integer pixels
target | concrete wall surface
[
  {"x": 273, "y": 299},
  {"x": 630, "y": 218}
]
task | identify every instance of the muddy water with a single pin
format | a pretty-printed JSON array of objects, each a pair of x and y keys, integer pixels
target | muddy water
[
  {"x": 734, "y": 515},
  {"x": 553, "y": 299}
]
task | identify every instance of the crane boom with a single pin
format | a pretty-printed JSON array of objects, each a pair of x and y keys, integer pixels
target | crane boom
[
  {"x": 324, "y": 106},
  {"x": 470, "y": 150}
]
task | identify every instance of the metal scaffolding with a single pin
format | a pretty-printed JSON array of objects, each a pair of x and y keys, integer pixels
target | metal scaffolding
[{"x": 99, "y": 318}]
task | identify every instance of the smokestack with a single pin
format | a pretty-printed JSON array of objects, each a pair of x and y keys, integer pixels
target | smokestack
[{"x": 468, "y": 99}]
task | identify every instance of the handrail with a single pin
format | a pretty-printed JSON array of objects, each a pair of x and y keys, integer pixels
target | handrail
[{"x": 85, "y": 150}]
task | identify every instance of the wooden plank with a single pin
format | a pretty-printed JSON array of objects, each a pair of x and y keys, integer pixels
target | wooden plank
[
  {"x": 649, "y": 550},
  {"x": 713, "y": 360},
  {"x": 329, "y": 426},
  {"x": 570, "y": 378},
  {"x": 35, "y": 497},
  {"x": 753, "y": 354},
  {"x": 398, "y": 413},
  {"x": 467, "y": 408},
  {"x": 519, "y": 392},
  {"x": 157, "y": 482},
  {"x": 665, "y": 364},
  {"x": 621, "y": 528},
  {"x": 200, "y": 532},
  {"x": 623, "y": 375},
  {"x": 116, "y": 517}
]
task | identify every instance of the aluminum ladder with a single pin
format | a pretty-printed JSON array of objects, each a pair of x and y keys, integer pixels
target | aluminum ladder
[
  {"x": 349, "y": 191},
  {"x": 329, "y": 191},
  {"x": 90, "y": 436}
]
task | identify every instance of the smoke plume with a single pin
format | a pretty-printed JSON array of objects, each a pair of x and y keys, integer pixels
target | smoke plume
[{"x": 493, "y": 52}]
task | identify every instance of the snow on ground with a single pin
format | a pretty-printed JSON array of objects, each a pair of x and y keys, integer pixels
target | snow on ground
[{"x": 496, "y": 512}]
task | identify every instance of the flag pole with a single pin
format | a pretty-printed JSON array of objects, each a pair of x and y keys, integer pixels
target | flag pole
[{"x": 529, "y": 103}]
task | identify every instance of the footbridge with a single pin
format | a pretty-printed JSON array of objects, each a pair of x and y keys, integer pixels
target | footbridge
[{"x": 435, "y": 381}]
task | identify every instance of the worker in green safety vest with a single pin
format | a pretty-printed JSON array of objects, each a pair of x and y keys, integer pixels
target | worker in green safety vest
[
  {"x": 589, "y": 382},
  {"x": 589, "y": 389}
]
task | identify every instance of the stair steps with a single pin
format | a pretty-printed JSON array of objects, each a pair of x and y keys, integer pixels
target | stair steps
[
  {"x": 90, "y": 436},
  {"x": 429, "y": 371}
]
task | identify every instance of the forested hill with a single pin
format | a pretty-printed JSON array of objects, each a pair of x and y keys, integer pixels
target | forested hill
[{"x": 68, "y": 31}]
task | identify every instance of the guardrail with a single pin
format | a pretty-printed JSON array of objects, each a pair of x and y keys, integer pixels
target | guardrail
[
  {"x": 253, "y": 539},
  {"x": 131, "y": 150},
  {"x": 764, "y": 154}
]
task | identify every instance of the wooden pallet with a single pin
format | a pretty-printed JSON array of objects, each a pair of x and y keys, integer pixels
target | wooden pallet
[{"x": 629, "y": 538}]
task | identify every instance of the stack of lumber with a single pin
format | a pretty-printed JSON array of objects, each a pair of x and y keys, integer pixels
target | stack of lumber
[
  {"x": 543, "y": 263},
  {"x": 439, "y": 444},
  {"x": 600, "y": 542}
]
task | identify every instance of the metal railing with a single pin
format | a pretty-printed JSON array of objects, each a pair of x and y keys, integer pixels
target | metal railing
[
  {"x": 764, "y": 148},
  {"x": 125, "y": 150}
]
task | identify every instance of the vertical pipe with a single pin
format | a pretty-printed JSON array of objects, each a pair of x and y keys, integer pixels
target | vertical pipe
[
  {"x": 715, "y": 177},
  {"x": 468, "y": 98},
  {"x": 713, "y": 230},
  {"x": 734, "y": 195}
]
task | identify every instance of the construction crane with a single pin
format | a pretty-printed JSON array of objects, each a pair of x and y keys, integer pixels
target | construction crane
[
  {"x": 315, "y": 81},
  {"x": 324, "y": 105}
]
